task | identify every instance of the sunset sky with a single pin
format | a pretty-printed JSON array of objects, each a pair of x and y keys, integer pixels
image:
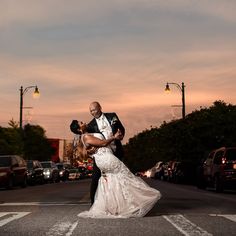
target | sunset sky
[{"x": 120, "y": 53}]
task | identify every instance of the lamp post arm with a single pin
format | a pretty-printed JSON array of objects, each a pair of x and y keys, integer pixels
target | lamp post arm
[
  {"x": 177, "y": 85},
  {"x": 26, "y": 89}
]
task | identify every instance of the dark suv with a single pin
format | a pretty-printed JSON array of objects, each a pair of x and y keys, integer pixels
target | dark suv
[
  {"x": 34, "y": 172},
  {"x": 13, "y": 171},
  {"x": 219, "y": 169}
]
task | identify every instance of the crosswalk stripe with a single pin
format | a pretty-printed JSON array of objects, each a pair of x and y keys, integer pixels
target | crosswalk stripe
[
  {"x": 72, "y": 228},
  {"x": 185, "y": 226},
  {"x": 62, "y": 228},
  {"x": 229, "y": 217},
  {"x": 182, "y": 224},
  {"x": 13, "y": 216}
]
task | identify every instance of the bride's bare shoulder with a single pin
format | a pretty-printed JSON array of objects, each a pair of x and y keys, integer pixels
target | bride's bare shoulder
[{"x": 88, "y": 135}]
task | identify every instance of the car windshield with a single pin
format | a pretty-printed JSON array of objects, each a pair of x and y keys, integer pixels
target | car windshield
[
  {"x": 46, "y": 164},
  {"x": 231, "y": 155},
  {"x": 60, "y": 167},
  {"x": 5, "y": 161}
]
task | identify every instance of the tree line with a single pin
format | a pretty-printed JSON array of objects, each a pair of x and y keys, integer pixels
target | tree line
[
  {"x": 187, "y": 140},
  {"x": 30, "y": 142}
]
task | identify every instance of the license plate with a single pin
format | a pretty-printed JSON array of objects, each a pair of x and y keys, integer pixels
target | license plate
[{"x": 234, "y": 166}]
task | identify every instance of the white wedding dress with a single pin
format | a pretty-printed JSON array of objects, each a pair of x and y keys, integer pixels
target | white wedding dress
[{"x": 120, "y": 194}]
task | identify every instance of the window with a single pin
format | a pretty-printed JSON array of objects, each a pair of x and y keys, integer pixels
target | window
[{"x": 218, "y": 157}]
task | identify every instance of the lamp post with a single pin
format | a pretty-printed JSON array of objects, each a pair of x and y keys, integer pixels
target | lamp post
[
  {"x": 181, "y": 88},
  {"x": 22, "y": 92}
]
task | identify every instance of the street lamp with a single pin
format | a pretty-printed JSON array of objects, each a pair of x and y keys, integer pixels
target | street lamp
[
  {"x": 181, "y": 88},
  {"x": 22, "y": 92}
]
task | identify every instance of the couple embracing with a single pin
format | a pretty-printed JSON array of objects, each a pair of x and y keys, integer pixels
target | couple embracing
[{"x": 115, "y": 192}]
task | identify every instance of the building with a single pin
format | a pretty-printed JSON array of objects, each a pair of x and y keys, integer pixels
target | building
[{"x": 63, "y": 150}]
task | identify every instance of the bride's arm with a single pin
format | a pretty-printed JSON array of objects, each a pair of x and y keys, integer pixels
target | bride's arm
[{"x": 96, "y": 142}]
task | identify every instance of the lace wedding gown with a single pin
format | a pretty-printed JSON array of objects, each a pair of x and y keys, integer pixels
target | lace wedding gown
[{"x": 120, "y": 194}]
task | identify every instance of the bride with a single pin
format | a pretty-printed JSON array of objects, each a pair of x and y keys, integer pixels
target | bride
[{"x": 120, "y": 194}]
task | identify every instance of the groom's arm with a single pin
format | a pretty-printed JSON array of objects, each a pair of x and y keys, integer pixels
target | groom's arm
[
  {"x": 116, "y": 123},
  {"x": 121, "y": 127}
]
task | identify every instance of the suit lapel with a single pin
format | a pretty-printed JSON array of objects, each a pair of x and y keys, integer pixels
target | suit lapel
[
  {"x": 95, "y": 126},
  {"x": 107, "y": 115}
]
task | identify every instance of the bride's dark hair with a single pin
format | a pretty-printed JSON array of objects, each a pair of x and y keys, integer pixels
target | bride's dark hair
[{"x": 74, "y": 127}]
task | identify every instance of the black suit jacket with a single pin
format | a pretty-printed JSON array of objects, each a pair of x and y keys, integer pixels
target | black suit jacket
[{"x": 115, "y": 124}]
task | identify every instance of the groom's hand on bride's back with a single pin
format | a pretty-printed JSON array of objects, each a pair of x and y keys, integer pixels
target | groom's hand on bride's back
[
  {"x": 91, "y": 150},
  {"x": 118, "y": 135}
]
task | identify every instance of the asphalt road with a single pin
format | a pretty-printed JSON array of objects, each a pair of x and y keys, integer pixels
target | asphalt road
[{"x": 52, "y": 209}]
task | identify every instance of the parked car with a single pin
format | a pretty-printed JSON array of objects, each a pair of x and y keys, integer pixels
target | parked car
[
  {"x": 84, "y": 173},
  {"x": 184, "y": 172},
  {"x": 74, "y": 173},
  {"x": 13, "y": 171},
  {"x": 159, "y": 174},
  {"x": 34, "y": 172},
  {"x": 219, "y": 170},
  {"x": 63, "y": 171},
  {"x": 152, "y": 172},
  {"x": 167, "y": 170},
  {"x": 50, "y": 171}
]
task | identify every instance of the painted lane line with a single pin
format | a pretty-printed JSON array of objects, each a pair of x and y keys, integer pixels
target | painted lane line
[
  {"x": 229, "y": 217},
  {"x": 62, "y": 228},
  {"x": 72, "y": 228},
  {"x": 185, "y": 226},
  {"x": 43, "y": 203},
  {"x": 12, "y": 216}
]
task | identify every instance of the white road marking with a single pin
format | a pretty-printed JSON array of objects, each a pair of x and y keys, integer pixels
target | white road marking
[
  {"x": 185, "y": 226},
  {"x": 43, "y": 203},
  {"x": 72, "y": 228},
  {"x": 229, "y": 217},
  {"x": 13, "y": 216},
  {"x": 62, "y": 228}
]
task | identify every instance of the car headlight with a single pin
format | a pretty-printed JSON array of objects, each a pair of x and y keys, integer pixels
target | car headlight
[{"x": 46, "y": 172}]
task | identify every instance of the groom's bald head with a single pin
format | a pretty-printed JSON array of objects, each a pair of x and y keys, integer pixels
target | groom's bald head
[{"x": 95, "y": 109}]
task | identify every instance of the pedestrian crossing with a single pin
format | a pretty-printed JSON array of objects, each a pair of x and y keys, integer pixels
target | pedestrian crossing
[
  {"x": 185, "y": 226},
  {"x": 180, "y": 222},
  {"x": 6, "y": 217}
]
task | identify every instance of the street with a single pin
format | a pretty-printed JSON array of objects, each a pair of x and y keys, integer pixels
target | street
[{"x": 51, "y": 209}]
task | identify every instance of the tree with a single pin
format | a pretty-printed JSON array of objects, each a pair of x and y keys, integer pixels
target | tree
[
  {"x": 36, "y": 145},
  {"x": 188, "y": 140},
  {"x": 10, "y": 141},
  {"x": 13, "y": 124}
]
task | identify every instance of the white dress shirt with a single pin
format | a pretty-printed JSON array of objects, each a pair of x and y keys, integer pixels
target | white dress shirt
[{"x": 105, "y": 128}]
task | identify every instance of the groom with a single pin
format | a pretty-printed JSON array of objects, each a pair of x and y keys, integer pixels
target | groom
[{"x": 106, "y": 124}]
